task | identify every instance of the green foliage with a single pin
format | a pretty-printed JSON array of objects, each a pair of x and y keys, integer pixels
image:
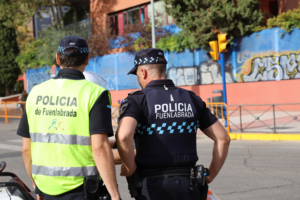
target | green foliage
[
  {"x": 76, "y": 14},
  {"x": 176, "y": 42},
  {"x": 50, "y": 39},
  {"x": 286, "y": 21},
  {"x": 9, "y": 69},
  {"x": 202, "y": 20},
  {"x": 16, "y": 13},
  {"x": 19, "y": 86},
  {"x": 139, "y": 43},
  {"x": 28, "y": 58}
]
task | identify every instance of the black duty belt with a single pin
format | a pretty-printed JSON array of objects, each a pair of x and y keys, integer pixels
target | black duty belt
[
  {"x": 153, "y": 173},
  {"x": 78, "y": 189}
]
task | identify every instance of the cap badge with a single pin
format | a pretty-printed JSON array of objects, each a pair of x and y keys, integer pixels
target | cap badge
[{"x": 72, "y": 43}]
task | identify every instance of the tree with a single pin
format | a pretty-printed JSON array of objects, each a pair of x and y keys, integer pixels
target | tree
[
  {"x": 16, "y": 13},
  {"x": 28, "y": 59},
  {"x": 9, "y": 69},
  {"x": 48, "y": 43},
  {"x": 202, "y": 20}
]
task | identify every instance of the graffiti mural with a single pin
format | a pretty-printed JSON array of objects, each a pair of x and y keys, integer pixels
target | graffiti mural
[
  {"x": 272, "y": 67},
  {"x": 37, "y": 78},
  {"x": 205, "y": 73}
]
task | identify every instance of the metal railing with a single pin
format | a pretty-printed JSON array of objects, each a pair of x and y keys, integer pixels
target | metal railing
[
  {"x": 115, "y": 114},
  {"x": 220, "y": 110},
  {"x": 265, "y": 118},
  {"x": 15, "y": 110},
  {"x": 11, "y": 109}
]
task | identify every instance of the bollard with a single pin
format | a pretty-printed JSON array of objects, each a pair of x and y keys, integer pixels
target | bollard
[{"x": 6, "y": 117}]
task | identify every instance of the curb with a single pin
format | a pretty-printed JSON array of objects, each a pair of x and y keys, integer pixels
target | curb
[{"x": 264, "y": 136}]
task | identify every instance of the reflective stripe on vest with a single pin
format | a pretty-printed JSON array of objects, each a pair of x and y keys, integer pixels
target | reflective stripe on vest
[
  {"x": 58, "y": 118},
  {"x": 64, "y": 171},
  {"x": 60, "y": 138}
]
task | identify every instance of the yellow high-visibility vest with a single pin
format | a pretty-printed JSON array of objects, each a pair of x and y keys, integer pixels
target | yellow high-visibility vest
[{"x": 58, "y": 116}]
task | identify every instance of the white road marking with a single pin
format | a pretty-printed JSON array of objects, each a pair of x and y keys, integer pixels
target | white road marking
[
  {"x": 15, "y": 140},
  {"x": 11, "y": 147}
]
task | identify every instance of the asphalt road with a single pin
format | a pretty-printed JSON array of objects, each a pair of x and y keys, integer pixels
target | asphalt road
[{"x": 253, "y": 170}]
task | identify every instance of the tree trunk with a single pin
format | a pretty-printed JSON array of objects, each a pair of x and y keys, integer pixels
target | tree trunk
[
  {"x": 52, "y": 15},
  {"x": 55, "y": 11},
  {"x": 61, "y": 16},
  {"x": 6, "y": 90},
  {"x": 75, "y": 14}
]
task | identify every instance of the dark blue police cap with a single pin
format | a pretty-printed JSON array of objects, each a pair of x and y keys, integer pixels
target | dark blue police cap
[
  {"x": 148, "y": 56},
  {"x": 73, "y": 41}
]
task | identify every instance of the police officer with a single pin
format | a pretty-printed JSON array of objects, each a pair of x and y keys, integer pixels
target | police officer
[
  {"x": 163, "y": 119},
  {"x": 65, "y": 129}
]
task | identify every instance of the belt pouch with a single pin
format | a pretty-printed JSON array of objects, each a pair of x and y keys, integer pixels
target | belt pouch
[{"x": 91, "y": 187}]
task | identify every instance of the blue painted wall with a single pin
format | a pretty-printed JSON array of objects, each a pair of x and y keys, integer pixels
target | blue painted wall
[
  {"x": 262, "y": 56},
  {"x": 37, "y": 76}
]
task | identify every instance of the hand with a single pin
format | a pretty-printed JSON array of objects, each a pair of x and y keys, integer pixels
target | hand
[
  {"x": 125, "y": 171},
  {"x": 208, "y": 179},
  {"x": 39, "y": 197}
]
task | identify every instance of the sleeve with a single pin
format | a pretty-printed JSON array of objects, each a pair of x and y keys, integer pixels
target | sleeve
[
  {"x": 23, "y": 129},
  {"x": 100, "y": 116},
  {"x": 130, "y": 108},
  {"x": 206, "y": 118}
]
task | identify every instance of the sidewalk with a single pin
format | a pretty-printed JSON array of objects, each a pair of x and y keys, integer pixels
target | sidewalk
[{"x": 260, "y": 122}]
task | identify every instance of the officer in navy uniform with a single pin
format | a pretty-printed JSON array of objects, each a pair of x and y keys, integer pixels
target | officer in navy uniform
[{"x": 163, "y": 120}]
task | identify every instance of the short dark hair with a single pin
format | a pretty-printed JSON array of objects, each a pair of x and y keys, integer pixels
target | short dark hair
[
  {"x": 72, "y": 61},
  {"x": 160, "y": 69}
]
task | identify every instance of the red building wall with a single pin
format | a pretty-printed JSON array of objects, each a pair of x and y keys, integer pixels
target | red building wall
[{"x": 262, "y": 92}]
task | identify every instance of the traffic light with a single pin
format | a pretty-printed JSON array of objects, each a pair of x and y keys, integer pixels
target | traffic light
[
  {"x": 214, "y": 53},
  {"x": 223, "y": 45}
]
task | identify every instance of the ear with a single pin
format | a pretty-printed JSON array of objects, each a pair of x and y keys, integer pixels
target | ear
[
  {"x": 87, "y": 60},
  {"x": 57, "y": 59},
  {"x": 144, "y": 73}
]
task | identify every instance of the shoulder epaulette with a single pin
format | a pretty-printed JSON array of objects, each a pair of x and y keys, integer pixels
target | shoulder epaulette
[{"x": 131, "y": 93}]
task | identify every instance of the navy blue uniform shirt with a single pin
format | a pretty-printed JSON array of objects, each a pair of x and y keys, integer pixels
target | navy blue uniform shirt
[{"x": 135, "y": 105}]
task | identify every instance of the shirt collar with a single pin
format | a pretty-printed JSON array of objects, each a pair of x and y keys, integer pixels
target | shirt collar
[
  {"x": 70, "y": 73},
  {"x": 161, "y": 83}
]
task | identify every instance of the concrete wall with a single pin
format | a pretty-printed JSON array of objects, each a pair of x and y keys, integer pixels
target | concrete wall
[
  {"x": 267, "y": 92},
  {"x": 261, "y": 68}
]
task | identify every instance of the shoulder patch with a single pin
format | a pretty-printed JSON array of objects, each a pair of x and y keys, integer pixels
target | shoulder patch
[
  {"x": 134, "y": 92},
  {"x": 123, "y": 108}
]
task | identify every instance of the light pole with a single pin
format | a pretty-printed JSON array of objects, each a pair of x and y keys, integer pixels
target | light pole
[{"x": 153, "y": 25}]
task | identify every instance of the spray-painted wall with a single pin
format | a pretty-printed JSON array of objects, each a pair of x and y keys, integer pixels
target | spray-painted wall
[
  {"x": 37, "y": 76},
  {"x": 263, "y": 56}
]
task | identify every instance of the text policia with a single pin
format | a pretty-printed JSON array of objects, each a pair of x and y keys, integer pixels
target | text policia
[
  {"x": 173, "y": 110},
  {"x": 56, "y": 101}
]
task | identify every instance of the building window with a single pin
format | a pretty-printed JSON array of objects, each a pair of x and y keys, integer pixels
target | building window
[
  {"x": 121, "y": 20},
  {"x": 273, "y": 4},
  {"x": 133, "y": 15},
  {"x": 113, "y": 20},
  {"x": 163, "y": 18}
]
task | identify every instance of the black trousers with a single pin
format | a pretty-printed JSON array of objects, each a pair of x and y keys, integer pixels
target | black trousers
[
  {"x": 169, "y": 188},
  {"x": 68, "y": 196}
]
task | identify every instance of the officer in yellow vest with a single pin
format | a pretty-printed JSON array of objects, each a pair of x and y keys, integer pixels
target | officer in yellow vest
[{"x": 65, "y": 129}]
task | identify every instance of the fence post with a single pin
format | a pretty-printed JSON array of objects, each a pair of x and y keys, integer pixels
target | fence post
[
  {"x": 6, "y": 117},
  {"x": 241, "y": 126},
  {"x": 274, "y": 118}
]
